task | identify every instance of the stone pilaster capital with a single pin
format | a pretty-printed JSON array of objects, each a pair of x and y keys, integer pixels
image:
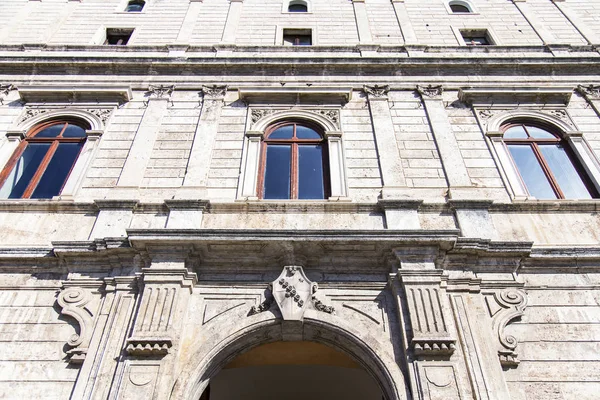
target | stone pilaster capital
[
  {"x": 160, "y": 91},
  {"x": 377, "y": 92},
  {"x": 214, "y": 92},
  {"x": 431, "y": 91}
]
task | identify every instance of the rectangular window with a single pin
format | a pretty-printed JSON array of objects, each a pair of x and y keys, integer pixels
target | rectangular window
[
  {"x": 118, "y": 36},
  {"x": 476, "y": 37},
  {"x": 297, "y": 37}
]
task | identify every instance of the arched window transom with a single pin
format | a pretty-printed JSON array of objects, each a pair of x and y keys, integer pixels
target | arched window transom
[
  {"x": 42, "y": 162},
  {"x": 135, "y": 6},
  {"x": 545, "y": 162},
  {"x": 460, "y": 7},
  {"x": 294, "y": 163},
  {"x": 298, "y": 6}
]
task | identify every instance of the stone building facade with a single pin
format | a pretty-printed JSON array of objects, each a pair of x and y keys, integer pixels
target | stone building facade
[{"x": 438, "y": 232}]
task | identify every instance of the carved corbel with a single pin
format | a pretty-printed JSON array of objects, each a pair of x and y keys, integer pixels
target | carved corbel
[
  {"x": 74, "y": 301},
  {"x": 504, "y": 307},
  {"x": 162, "y": 296},
  {"x": 292, "y": 291},
  {"x": 429, "y": 313}
]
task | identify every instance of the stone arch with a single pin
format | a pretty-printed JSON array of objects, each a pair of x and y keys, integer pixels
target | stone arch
[
  {"x": 308, "y": 115},
  {"x": 262, "y": 329},
  {"x": 92, "y": 120},
  {"x": 495, "y": 123}
]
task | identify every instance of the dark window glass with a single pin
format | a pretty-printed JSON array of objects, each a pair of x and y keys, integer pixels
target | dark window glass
[
  {"x": 57, "y": 171},
  {"x": 310, "y": 172},
  {"x": 297, "y": 37},
  {"x": 41, "y": 164},
  {"x": 294, "y": 164},
  {"x": 545, "y": 164},
  {"x": 277, "y": 175},
  {"x": 24, "y": 169},
  {"x": 476, "y": 40},
  {"x": 285, "y": 132},
  {"x": 74, "y": 131},
  {"x": 297, "y": 8},
  {"x": 302, "y": 132},
  {"x": 135, "y": 6},
  {"x": 459, "y": 8},
  {"x": 51, "y": 131}
]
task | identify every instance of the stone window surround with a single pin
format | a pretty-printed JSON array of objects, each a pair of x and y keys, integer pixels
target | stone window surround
[
  {"x": 247, "y": 187},
  {"x": 16, "y": 134},
  {"x": 281, "y": 28},
  {"x": 286, "y": 4},
  {"x": 468, "y": 4},
  {"x": 508, "y": 170},
  {"x": 493, "y": 38}
]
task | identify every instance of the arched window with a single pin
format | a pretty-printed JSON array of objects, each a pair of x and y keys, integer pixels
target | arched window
[
  {"x": 460, "y": 7},
  {"x": 42, "y": 162},
  {"x": 294, "y": 162},
  {"x": 298, "y": 6},
  {"x": 545, "y": 162},
  {"x": 135, "y": 6}
]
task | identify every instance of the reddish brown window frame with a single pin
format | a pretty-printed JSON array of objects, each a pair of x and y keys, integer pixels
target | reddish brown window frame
[
  {"x": 54, "y": 142},
  {"x": 534, "y": 144},
  {"x": 294, "y": 167}
]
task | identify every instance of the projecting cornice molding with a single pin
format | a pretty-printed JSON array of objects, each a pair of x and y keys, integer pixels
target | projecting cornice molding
[
  {"x": 74, "y": 94},
  {"x": 490, "y": 96},
  {"x": 296, "y": 95}
]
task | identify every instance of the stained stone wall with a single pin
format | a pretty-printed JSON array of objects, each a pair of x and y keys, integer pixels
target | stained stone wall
[{"x": 429, "y": 265}]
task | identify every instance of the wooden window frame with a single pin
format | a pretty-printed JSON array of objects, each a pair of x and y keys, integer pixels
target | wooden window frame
[
  {"x": 294, "y": 142},
  {"x": 534, "y": 144},
  {"x": 54, "y": 143}
]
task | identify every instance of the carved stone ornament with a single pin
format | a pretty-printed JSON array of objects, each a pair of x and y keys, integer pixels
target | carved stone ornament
[
  {"x": 265, "y": 305},
  {"x": 430, "y": 91},
  {"x": 160, "y": 91},
  {"x": 259, "y": 113},
  {"x": 377, "y": 91},
  {"x": 292, "y": 292},
  {"x": 591, "y": 90},
  {"x": 505, "y": 307},
  {"x": 488, "y": 113},
  {"x": 332, "y": 115},
  {"x": 214, "y": 92},
  {"x": 102, "y": 113},
  {"x": 5, "y": 89},
  {"x": 148, "y": 346},
  {"x": 73, "y": 301}
]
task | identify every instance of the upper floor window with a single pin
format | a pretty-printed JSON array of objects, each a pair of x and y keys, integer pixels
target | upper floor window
[
  {"x": 460, "y": 7},
  {"x": 297, "y": 37},
  {"x": 476, "y": 37},
  {"x": 294, "y": 163},
  {"x": 42, "y": 162},
  {"x": 135, "y": 6},
  {"x": 118, "y": 36},
  {"x": 545, "y": 162},
  {"x": 298, "y": 6}
]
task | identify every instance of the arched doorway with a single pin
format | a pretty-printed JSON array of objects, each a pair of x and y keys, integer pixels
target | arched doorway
[
  {"x": 296, "y": 370},
  {"x": 228, "y": 341}
]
